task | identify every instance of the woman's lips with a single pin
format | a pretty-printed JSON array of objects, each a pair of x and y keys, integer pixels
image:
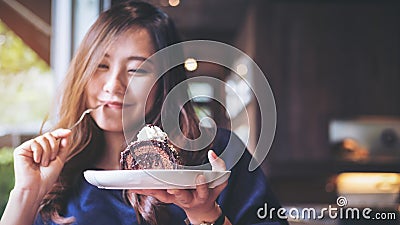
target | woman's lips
[{"x": 116, "y": 105}]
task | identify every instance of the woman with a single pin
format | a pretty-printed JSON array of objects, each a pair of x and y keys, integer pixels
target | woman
[{"x": 48, "y": 169}]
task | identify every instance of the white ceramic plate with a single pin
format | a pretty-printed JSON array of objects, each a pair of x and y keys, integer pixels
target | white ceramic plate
[{"x": 153, "y": 179}]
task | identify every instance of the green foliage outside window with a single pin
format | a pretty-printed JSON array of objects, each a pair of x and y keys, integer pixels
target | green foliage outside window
[
  {"x": 26, "y": 83},
  {"x": 26, "y": 94},
  {"x": 15, "y": 56},
  {"x": 6, "y": 176}
]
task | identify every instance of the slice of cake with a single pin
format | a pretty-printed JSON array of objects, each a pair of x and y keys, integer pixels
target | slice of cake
[{"x": 150, "y": 151}]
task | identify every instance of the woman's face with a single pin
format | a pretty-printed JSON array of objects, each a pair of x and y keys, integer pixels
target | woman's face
[{"x": 118, "y": 68}]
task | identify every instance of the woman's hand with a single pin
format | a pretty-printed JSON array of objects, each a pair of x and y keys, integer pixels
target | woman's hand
[
  {"x": 38, "y": 162},
  {"x": 199, "y": 204},
  {"x": 37, "y": 165}
]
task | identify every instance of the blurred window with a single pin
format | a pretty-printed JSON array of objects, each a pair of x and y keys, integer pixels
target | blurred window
[{"x": 26, "y": 86}]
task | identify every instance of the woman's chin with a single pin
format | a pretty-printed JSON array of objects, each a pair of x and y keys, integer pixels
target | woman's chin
[
  {"x": 111, "y": 127},
  {"x": 110, "y": 124}
]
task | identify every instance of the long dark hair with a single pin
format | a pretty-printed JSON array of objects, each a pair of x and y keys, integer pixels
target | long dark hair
[{"x": 87, "y": 146}]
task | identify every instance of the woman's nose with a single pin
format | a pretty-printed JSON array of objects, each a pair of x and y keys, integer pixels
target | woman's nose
[{"x": 115, "y": 84}]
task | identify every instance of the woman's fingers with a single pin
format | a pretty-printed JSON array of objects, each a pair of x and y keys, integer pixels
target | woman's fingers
[
  {"x": 61, "y": 139},
  {"x": 193, "y": 198},
  {"x": 53, "y": 145},
  {"x": 216, "y": 162},
  {"x": 45, "y": 148},
  {"x": 181, "y": 197},
  {"x": 218, "y": 189},
  {"x": 36, "y": 150},
  {"x": 60, "y": 133},
  {"x": 188, "y": 198},
  {"x": 202, "y": 191}
]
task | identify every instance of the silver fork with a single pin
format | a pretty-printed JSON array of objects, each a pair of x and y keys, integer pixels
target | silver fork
[{"x": 87, "y": 111}]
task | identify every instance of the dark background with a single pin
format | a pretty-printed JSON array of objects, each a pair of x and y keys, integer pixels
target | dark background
[{"x": 324, "y": 60}]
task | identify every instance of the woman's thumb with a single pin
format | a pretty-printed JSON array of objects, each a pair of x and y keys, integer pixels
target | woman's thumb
[{"x": 216, "y": 162}]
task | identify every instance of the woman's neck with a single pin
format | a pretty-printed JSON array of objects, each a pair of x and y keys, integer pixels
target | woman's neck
[{"x": 114, "y": 144}]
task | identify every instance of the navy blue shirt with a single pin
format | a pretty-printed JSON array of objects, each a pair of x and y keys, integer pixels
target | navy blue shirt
[{"x": 245, "y": 193}]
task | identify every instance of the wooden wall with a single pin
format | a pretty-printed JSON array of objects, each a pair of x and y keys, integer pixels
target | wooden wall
[
  {"x": 325, "y": 61},
  {"x": 31, "y": 21}
]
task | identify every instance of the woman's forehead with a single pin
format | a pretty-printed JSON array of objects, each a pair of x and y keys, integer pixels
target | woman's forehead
[{"x": 131, "y": 43}]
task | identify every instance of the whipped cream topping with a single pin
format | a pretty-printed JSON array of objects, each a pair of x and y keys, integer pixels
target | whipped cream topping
[{"x": 151, "y": 132}]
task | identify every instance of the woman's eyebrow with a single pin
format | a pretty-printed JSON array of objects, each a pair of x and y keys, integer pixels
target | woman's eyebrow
[
  {"x": 133, "y": 58},
  {"x": 138, "y": 58}
]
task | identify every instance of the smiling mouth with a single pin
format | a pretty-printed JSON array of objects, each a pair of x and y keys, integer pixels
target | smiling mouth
[{"x": 116, "y": 105}]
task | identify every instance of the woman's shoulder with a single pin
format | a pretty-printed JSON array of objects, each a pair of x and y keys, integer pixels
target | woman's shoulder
[
  {"x": 229, "y": 147},
  {"x": 247, "y": 190}
]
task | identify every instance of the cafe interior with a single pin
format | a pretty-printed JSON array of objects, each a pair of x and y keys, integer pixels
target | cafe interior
[{"x": 333, "y": 67}]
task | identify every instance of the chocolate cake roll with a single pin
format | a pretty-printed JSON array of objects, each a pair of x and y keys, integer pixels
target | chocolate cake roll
[{"x": 150, "y": 151}]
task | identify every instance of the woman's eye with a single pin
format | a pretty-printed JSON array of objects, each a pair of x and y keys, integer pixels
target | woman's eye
[
  {"x": 137, "y": 71},
  {"x": 102, "y": 66}
]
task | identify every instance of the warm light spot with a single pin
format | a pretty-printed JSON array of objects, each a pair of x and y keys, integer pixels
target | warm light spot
[
  {"x": 190, "y": 64},
  {"x": 241, "y": 69},
  {"x": 173, "y": 2},
  {"x": 352, "y": 182}
]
